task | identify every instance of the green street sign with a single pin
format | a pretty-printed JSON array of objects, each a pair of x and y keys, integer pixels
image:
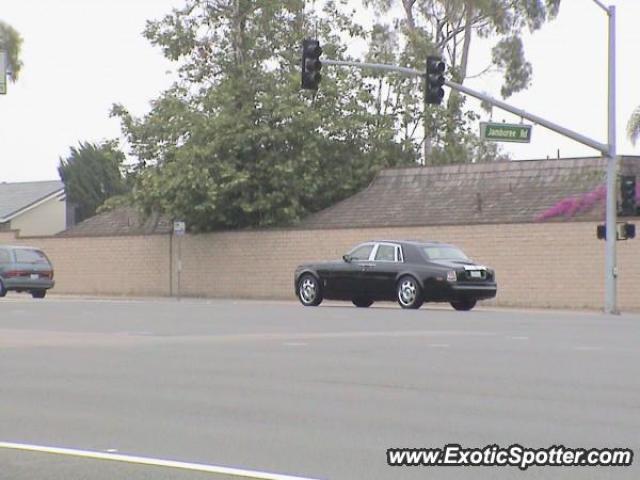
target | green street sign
[{"x": 505, "y": 132}]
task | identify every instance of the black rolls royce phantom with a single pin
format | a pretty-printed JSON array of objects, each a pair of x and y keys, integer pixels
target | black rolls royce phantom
[{"x": 410, "y": 272}]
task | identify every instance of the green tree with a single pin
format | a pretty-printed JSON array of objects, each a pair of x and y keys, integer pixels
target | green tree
[
  {"x": 235, "y": 142},
  {"x": 92, "y": 174},
  {"x": 11, "y": 42},
  {"x": 449, "y": 27}
]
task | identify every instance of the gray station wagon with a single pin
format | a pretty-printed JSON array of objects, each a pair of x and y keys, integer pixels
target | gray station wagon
[{"x": 25, "y": 269}]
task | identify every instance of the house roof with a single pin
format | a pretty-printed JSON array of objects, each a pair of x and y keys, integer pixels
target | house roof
[
  {"x": 17, "y": 197},
  {"x": 498, "y": 192},
  {"x": 120, "y": 221}
]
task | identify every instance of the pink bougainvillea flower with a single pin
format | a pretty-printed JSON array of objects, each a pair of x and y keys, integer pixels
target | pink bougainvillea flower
[{"x": 570, "y": 206}]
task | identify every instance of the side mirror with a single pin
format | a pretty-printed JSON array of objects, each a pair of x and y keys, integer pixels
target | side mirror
[{"x": 346, "y": 257}]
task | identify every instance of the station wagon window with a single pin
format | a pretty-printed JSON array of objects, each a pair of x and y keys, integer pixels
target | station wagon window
[
  {"x": 5, "y": 257},
  {"x": 362, "y": 252},
  {"x": 30, "y": 256},
  {"x": 386, "y": 253}
]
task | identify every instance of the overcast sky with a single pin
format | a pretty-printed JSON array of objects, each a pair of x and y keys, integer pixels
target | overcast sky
[{"x": 81, "y": 56}]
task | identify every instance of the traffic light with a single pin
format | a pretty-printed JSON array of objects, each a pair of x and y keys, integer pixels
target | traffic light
[
  {"x": 311, "y": 64},
  {"x": 434, "y": 80},
  {"x": 629, "y": 230},
  {"x": 624, "y": 231},
  {"x": 627, "y": 195}
]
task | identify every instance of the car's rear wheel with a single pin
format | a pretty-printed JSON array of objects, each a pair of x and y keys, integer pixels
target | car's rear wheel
[
  {"x": 38, "y": 293},
  {"x": 3, "y": 290},
  {"x": 409, "y": 293},
  {"x": 309, "y": 291},
  {"x": 464, "y": 305},
  {"x": 362, "y": 302}
]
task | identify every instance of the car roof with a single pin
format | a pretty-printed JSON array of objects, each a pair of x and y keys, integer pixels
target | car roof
[
  {"x": 20, "y": 247},
  {"x": 415, "y": 243}
]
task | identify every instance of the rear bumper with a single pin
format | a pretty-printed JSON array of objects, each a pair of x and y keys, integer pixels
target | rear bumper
[
  {"x": 27, "y": 283},
  {"x": 448, "y": 292},
  {"x": 479, "y": 292}
]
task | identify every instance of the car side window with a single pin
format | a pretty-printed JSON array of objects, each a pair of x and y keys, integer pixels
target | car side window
[
  {"x": 5, "y": 257},
  {"x": 386, "y": 253},
  {"x": 361, "y": 253}
]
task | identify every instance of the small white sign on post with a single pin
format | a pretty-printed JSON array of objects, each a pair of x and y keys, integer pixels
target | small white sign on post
[
  {"x": 3, "y": 72},
  {"x": 179, "y": 228}
]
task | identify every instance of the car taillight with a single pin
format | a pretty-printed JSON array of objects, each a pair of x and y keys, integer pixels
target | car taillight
[
  {"x": 15, "y": 273},
  {"x": 451, "y": 276}
]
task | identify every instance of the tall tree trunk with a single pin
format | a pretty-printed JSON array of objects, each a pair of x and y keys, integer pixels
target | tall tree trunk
[
  {"x": 468, "y": 25},
  {"x": 453, "y": 103}
]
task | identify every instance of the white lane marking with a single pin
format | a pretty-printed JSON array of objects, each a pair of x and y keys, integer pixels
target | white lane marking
[
  {"x": 111, "y": 450},
  {"x": 519, "y": 338},
  {"x": 585, "y": 348},
  {"x": 295, "y": 344},
  {"x": 439, "y": 345},
  {"x": 199, "y": 467}
]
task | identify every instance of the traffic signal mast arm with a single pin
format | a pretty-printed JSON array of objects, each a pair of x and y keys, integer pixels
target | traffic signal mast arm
[
  {"x": 601, "y": 147},
  {"x": 375, "y": 66}
]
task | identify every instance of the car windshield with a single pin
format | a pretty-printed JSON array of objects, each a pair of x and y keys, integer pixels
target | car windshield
[{"x": 443, "y": 252}]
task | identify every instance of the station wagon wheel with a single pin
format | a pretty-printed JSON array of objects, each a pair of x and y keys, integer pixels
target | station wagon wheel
[
  {"x": 409, "y": 293},
  {"x": 464, "y": 305},
  {"x": 3, "y": 291},
  {"x": 309, "y": 291}
]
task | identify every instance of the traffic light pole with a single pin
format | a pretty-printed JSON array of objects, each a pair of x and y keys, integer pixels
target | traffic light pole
[{"x": 611, "y": 268}]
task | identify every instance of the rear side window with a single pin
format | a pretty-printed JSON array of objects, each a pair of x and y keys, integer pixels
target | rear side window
[
  {"x": 31, "y": 256},
  {"x": 386, "y": 253},
  {"x": 5, "y": 257}
]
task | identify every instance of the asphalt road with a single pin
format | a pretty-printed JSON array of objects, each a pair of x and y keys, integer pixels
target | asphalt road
[{"x": 312, "y": 392}]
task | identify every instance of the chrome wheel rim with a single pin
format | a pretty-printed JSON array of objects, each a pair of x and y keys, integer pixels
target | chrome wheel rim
[
  {"x": 308, "y": 290},
  {"x": 407, "y": 293}
]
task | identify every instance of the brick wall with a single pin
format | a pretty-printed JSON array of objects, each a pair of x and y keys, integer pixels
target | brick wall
[
  {"x": 125, "y": 265},
  {"x": 537, "y": 265}
]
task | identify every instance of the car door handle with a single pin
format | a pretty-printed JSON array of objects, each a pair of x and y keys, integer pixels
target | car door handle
[{"x": 367, "y": 266}]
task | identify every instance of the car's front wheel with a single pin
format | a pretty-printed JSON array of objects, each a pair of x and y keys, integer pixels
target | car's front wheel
[
  {"x": 409, "y": 293},
  {"x": 309, "y": 291},
  {"x": 362, "y": 302},
  {"x": 464, "y": 305},
  {"x": 38, "y": 293},
  {"x": 3, "y": 290}
]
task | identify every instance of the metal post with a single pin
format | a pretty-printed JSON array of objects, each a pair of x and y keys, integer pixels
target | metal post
[
  {"x": 611, "y": 272},
  {"x": 171, "y": 264},
  {"x": 179, "y": 263}
]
